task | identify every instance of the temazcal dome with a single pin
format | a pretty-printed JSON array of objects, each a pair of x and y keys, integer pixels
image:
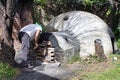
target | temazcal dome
[{"x": 79, "y": 30}]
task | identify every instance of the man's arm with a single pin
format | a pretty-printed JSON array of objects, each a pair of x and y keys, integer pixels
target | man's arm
[{"x": 37, "y": 36}]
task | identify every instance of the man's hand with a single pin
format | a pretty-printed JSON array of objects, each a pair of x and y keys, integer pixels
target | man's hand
[
  {"x": 37, "y": 35},
  {"x": 36, "y": 45}
]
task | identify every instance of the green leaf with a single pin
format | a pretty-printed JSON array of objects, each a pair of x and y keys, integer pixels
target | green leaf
[{"x": 108, "y": 12}]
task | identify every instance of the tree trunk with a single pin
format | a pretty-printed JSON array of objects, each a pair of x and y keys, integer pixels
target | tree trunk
[{"x": 6, "y": 36}]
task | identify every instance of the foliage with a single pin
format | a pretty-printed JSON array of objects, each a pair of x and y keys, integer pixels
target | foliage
[
  {"x": 90, "y": 2},
  {"x": 41, "y": 2},
  {"x": 73, "y": 59},
  {"x": 37, "y": 11},
  {"x": 6, "y": 71},
  {"x": 108, "y": 12},
  {"x": 90, "y": 59},
  {"x": 118, "y": 43},
  {"x": 101, "y": 8},
  {"x": 118, "y": 38},
  {"x": 36, "y": 15}
]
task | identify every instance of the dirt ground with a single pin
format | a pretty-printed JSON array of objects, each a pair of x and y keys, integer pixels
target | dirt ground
[
  {"x": 74, "y": 71},
  {"x": 84, "y": 68}
]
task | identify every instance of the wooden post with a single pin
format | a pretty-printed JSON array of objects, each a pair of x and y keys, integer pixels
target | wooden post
[{"x": 99, "y": 49}]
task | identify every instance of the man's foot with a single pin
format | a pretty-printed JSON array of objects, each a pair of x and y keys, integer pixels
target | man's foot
[
  {"x": 22, "y": 64},
  {"x": 26, "y": 69}
]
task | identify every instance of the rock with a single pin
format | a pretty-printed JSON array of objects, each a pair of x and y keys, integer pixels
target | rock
[{"x": 76, "y": 31}]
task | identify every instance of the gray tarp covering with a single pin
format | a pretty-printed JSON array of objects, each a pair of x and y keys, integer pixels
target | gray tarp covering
[{"x": 77, "y": 31}]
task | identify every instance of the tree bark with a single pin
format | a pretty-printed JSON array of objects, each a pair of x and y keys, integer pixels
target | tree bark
[
  {"x": 8, "y": 22},
  {"x": 8, "y": 51}
]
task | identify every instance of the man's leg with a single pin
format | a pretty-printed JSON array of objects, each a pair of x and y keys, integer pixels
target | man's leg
[
  {"x": 25, "y": 46},
  {"x": 21, "y": 53},
  {"x": 25, "y": 51}
]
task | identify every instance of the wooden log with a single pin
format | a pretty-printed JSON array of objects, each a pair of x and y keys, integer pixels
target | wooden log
[
  {"x": 40, "y": 58},
  {"x": 50, "y": 49},
  {"x": 45, "y": 52},
  {"x": 40, "y": 51},
  {"x": 40, "y": 55}
]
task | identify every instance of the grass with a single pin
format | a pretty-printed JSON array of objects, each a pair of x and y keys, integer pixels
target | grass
[
  {"x": 98, "y": 70},
  {"x": 112, "y": 74},
  {"x": 7, "y": 72},
  {"x": 73, "y": 59}
]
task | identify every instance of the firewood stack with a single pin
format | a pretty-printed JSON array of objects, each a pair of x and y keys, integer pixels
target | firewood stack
[{"x": 45, "y": 52}]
